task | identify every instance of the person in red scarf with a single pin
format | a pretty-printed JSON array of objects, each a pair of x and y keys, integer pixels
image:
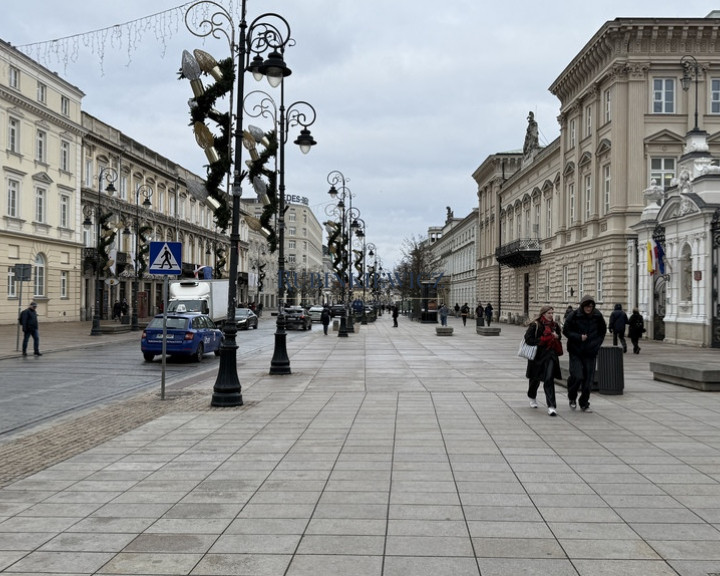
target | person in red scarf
[{"x": 544, "y": 333}]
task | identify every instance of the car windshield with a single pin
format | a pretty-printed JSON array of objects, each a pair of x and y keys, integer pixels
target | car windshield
[{"x": 242, "y": 312}]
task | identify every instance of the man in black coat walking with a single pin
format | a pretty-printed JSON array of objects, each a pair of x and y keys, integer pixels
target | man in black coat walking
[
  {"x": 618, "y": 321},
  {"x": 585, "y": 331},
  {"x": 29, "y": 321}
]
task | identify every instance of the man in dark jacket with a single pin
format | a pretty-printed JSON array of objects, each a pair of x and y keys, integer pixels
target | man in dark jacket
[
  {"x": 618, "y": 321},
  {"x": 325, "y": 318},
  {"x": 29, "y": 321},
  {"x": 585, "y": 331}
]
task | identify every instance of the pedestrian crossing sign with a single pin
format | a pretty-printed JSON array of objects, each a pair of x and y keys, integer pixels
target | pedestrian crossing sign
[{"x": 166, "y": 258}]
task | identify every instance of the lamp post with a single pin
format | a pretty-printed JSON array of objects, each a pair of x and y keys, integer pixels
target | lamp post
[
  {"x": 337, "y": 179},
  {"x": 146, "y": 192},
  {"x": 110, "y": 175},
  {"x": 261, "y": 35},
  {"x": 689, "y": 63},
  {"x": 358, "y": 224},
  {"x": 297, "y": 114}
]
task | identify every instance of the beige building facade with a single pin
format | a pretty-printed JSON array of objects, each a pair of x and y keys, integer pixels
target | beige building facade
[
  {"x": 40, "y": 228},
  {"x": 561, "y": 225}
]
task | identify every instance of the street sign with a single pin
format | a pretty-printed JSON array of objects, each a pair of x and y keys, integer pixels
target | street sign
[
  {"x": 166, "y": 258},
  {"x": 22, "y": 272}
]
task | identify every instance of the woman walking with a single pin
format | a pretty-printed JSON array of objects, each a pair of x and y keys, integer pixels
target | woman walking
[{"x": 544, "y": 333}]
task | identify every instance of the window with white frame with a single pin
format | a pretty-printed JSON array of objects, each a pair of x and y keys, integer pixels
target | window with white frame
[
  {"x": 566, "y": 284},
  {"x": 548, "y": 218},
  {"x": 64, "y": 155},
  {"x": 518, "y": 223},
  {"x": 12, "y": 286},
  {"x": 292, "y": 231},
  {"x": 181, "y": 208},
  {"x": 64, "y": 281},
  {"x": 599, "y": 281},
  {"x": 291, "y": 244},
  {"x": 64, "y": 105},
  {"x": 607, "y": 104},
  {"x": 13, "y": 197},
  {"x": 14, "y": 77},
  {"x": 663, "y": 96},
  {"x": 64, "y": 211},
  {"x": 39, "y": 275},
  {"x": 662, "y": 170},
  {"x": 14, "y": 135},
  {"x": 172, "y": 203},
  {"x": 292, "y": 258},
  {"x": 547, "y": 285},
  {"x": 537, "y": 219},
  {"x": 41, "y": 146},
  {"x": 715, "y": 96},
  {"x": 88, "y": 172},
  {"x": 42, "y": 93},
  {"x": 571, "y": 203},
  {"x": 160, "y": 201},
  {"x": 606, "y": 189},
  {"x": 588, "y": 120},
  {"x": 123, "y": 185},
  {"x": 588, "y": 196},
  {"x": 40, "y": 204},
  {"x": 581, "y": 280},
  {"x": 571, "y": 133},
  {"x": 292, "y": 217}
]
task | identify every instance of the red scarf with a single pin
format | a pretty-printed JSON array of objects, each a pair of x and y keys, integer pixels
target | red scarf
[{"x": 548, "y": 339}]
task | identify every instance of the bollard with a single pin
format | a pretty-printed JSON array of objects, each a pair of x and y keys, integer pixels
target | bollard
[{"x": 610, "y": 372}]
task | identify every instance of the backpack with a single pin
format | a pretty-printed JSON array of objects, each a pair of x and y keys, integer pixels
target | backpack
[{"x": 21, "y": 317}]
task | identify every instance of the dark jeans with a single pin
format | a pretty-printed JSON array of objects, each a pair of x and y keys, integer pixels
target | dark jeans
[
  {"x": 487, "y": 320},
  {"x": 636, "y": 344},
  {"x": 325, "y": 328},
  {"x": 619, "y": 336},
  {"x": 36, "y": 340},
  {"x": 582, "y": 375},
  {"x": 548, "y": 386},
  {"x": 464, "y": 319}
]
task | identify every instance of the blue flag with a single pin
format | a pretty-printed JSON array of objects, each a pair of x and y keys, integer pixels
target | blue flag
[{"x": 660, "y": 257}]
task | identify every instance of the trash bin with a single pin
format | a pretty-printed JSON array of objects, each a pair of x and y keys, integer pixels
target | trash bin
[
  {"x": 610, "y": 373},
  {"x": 479, "y": 321}
]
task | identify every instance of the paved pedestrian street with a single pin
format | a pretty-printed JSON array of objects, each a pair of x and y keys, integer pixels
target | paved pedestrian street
[{"x": 392, "y": 452}]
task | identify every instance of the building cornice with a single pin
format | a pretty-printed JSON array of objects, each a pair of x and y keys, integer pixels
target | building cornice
[{"x": 16, "y": 99}]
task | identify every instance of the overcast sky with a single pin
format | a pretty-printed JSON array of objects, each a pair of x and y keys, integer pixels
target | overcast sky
[{"x": 411, "y": 97}]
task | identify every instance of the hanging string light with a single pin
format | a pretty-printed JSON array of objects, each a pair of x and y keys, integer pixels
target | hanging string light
[{"x": 125, "y": 37}]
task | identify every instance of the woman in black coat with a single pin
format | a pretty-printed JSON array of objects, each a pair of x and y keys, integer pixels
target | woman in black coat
[{"x": 544, "y": 333}]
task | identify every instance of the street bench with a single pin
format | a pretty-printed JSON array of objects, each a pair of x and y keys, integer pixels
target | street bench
[
  {"x": 444, "y": 330},
  {"x": 699, "y": 375},
  {"x": 487, "y": 330}
]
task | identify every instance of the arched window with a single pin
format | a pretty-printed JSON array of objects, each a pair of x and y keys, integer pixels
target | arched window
[
  {"x": 686, "y": 273},
  {"x": 39, "y": 276}
]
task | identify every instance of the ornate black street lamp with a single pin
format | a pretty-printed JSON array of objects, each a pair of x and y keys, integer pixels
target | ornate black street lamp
[
  {"x": 146, "y": 192},
  {"x": 337, "y": 179},
  {"x": 267, "y": 32},
  {"x": 297, "y": 114},
  {"x": 110, "y": 175},
  {"x": 690, "y": 64}
]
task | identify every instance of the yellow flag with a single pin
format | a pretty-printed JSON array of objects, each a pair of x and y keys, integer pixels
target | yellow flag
[{"x": 649, "y": 258}]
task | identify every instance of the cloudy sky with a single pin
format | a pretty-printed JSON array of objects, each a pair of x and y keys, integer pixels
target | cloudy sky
[{"x": 411, "y": 97}]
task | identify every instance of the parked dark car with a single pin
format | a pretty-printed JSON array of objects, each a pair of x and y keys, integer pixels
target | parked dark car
[
  {"x": 337, "y": 310},
  {"x": 298, "y": 318},
  {"x": 246, "y": 319},
  {"x": 188, "y": 334}
]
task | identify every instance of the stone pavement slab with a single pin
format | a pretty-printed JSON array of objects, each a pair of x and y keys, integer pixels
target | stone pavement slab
[{"x": 391, "y": 452}]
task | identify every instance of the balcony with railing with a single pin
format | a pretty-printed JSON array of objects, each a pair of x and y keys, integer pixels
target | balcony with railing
[{"x": 519, "y": 253}]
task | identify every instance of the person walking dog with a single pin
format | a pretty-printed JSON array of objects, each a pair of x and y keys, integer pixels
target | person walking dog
[
  {"x": 585, "y": 331},
  {"x": 544, "y": 333}
]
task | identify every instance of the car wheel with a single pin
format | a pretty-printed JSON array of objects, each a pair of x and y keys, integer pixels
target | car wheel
[
  {"x": 148, "y": 357},
  {"x": 255, "y": 327},
  {"x": 199, "y": 353}
]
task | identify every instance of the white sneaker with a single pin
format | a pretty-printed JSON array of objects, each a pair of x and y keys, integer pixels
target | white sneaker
[
  {"x": 533, "y": 403},
  {"x": 552, "y": 411}
]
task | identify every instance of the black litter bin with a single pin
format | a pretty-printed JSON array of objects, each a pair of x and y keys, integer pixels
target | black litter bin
[
  {"x": 479, "y": 321},
  {"x": 610, "y": 373}
]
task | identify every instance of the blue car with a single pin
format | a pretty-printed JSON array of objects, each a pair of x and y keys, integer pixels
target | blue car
[{"x": 188, "y": 334}]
